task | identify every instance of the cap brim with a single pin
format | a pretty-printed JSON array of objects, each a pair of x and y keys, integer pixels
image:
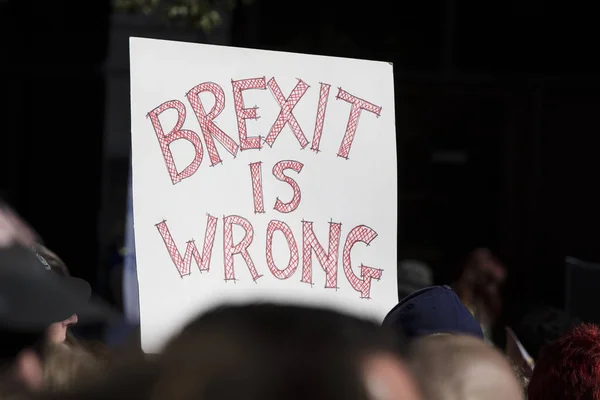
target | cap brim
[
  {"x": 97, "y": 311},
  {"x": 32, "y": 298},
  {"x": 90, "y": 309}
]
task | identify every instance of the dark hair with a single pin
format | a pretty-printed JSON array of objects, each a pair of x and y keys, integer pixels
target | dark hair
[
  {"x": 542, "y": 325},
  {"x": 267, "y": 323},
  {"x": 267, "y": 351},
  {"x": 569, "y": 368}
]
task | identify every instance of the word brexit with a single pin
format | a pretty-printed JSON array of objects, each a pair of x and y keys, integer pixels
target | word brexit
[{"x": 210, "y": 131}]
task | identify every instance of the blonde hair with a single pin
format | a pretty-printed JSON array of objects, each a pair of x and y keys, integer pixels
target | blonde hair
[
  {"x": 69, "y": 366},
  {"x": 452, "y": 366},
  {"x": 520, "y": 374}
]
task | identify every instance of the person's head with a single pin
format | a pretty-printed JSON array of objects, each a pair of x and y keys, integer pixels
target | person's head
[
  {"x": 569, "y": 368},
  {"x": 31, "y": 299},
  {"x": 267, "y": 351},
  {"x": 540, "y": 326},
  {"x": 58, "y": 331},
  {"x": 433, "y": 310},
  {"x": 480, "y": 284},
  {"x": 413, "y": 275},
  {"x": 483, "y": 269},
  {"x": 458, "y": 367}
]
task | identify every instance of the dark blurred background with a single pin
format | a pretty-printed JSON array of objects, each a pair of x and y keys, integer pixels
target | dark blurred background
[{"x": 496, "y": 122}]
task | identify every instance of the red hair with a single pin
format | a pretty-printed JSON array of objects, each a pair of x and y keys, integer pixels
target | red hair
[{"x": 569, "y": 368}]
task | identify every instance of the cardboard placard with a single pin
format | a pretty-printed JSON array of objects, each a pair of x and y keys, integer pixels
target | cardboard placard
[{"x": 260, "y": 175}]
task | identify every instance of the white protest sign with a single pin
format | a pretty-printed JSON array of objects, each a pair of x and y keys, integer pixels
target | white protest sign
[{"x": 260, "y": 175}]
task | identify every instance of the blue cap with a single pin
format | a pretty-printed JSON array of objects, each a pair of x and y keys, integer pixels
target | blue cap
[{"x": 436, "y": 309}]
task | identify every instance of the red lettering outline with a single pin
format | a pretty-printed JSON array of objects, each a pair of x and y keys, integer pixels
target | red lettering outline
[
  {"x": 242, "y": 113},
  {"x": 357, "y": 106},
  {"x": 183, "y": 264},
  {"x": 364, "y": 234},
  {"x": 257, "y": 188},
  {"x": 229, "y": 249},
  {"x": 207, "y": 125},
  {"x": 320, "y": 119},
  {"x": 286, "y": 115},
  {"x": 292, "y": 265},
  {"x": 328, "y": 260},
  {"x": 278, "y": 169},
  {"x": 176, "y": 133}
]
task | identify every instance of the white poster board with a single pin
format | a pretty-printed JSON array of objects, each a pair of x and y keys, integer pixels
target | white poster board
[{"x": 260, "y": 175}]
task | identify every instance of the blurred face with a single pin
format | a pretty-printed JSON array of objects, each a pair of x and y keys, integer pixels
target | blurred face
[{"x": 57, "y": 332}]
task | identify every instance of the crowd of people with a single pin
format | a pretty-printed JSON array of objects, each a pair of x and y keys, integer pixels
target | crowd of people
[{"x": 431, "y": 346}]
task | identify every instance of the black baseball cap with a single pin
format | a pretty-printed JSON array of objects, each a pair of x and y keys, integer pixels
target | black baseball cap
[
  {"x": 432, "y": 310},
  {"x": 32, "y": 296}
]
